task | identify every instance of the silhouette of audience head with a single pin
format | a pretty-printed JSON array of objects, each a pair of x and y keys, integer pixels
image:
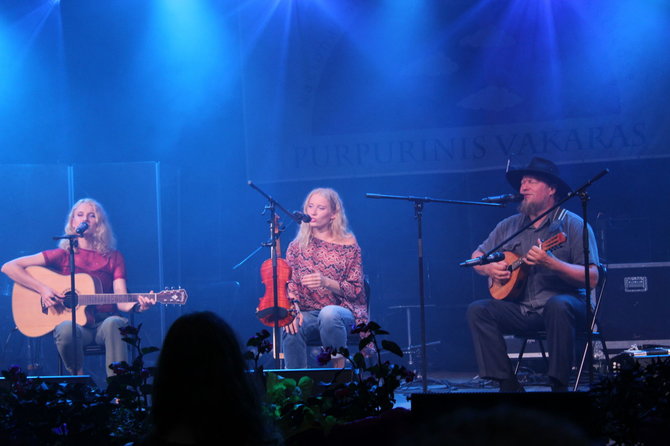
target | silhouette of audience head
[{"x": 202, "y": 392}]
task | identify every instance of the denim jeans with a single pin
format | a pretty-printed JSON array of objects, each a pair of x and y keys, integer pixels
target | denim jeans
[
  {"x": 104, "y": 333},
  {"x": 328, "y": 327}
]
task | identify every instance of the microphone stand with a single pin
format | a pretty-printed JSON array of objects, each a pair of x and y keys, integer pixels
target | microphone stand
[
  {"x": 580, "y": 192},
  {"x": 590, "y": 318},
  {"x": 71, "y": 299},
  {"x": 276, "y": 313},
  {"x": 418, "y": 211}
]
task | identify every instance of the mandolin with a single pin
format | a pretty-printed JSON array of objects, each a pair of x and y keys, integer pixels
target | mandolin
[{"x": 511, "y": 289}]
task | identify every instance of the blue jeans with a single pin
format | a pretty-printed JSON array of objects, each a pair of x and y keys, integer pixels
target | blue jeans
[
  {"x": 104, "y": 333},
  {"x": 328, "y": 327}
]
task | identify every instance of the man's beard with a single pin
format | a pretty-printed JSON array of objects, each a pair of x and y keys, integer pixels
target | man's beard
[{"x": 529, "y": 208}]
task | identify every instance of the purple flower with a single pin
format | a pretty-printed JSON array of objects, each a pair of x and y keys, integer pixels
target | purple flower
[
  {"x": 324, "y": 357},
  {"x": 265, "y": 347}
]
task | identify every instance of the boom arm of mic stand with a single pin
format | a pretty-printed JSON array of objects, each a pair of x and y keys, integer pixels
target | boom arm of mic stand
[
  {"x": 430, "y": 200},
  {"x": 275, "y": 202}
]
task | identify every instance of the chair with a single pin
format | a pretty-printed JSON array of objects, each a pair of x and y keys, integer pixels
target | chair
[
  {"x": 89, "y": 350},
  {"x": 596, "y": 335},
  {"x": 99, "y": 350}
]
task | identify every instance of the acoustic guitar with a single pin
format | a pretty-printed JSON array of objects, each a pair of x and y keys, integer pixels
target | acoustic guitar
[
  {"x": 33, "y": 319},
  {"x": 511, "y": 289}
]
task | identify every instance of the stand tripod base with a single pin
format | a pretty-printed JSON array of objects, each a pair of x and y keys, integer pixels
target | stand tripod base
[{"x": 432, "y": 385}]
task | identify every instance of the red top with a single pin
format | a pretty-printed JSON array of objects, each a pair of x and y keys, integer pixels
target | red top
[
  {"x": 105, "y": 268},
  {"x": 341, "y": 263}
]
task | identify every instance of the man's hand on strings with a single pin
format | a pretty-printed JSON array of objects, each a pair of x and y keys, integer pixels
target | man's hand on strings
[{"x": 537, "y": 256}]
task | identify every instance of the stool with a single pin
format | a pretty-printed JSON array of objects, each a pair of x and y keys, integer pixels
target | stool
[{"x": 89, "y": 350}]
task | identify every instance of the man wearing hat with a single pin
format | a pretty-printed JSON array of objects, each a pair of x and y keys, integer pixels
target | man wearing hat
[{"x": 553, "y": 298}]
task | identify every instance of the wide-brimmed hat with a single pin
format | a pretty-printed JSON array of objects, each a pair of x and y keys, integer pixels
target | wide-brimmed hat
[{"x": 543, "y": 169}]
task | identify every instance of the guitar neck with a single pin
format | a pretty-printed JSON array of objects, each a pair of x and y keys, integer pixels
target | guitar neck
[
  {"x": 547, "y": 245},
  {"x": 516, "y": 264},
  {"x": 102, "y": 299}
]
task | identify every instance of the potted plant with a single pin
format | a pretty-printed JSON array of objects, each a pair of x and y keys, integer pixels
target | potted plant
[{"x": 342, "y": 408}]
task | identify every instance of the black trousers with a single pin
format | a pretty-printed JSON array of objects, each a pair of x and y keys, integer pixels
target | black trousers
[{"x": 490, "y": 319}]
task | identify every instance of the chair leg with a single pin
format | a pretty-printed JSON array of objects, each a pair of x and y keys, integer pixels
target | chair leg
[
  {"x": 582, "y": 363},
  {"x": 542, "y": 350},
  {"x": 606, "y": 353},
  {"x": 520, "y": 357}
]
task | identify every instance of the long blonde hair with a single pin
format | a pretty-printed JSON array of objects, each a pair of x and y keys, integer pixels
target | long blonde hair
[
  {"x": 103, "y": 238},
  {"x": 339, "y": 225}
]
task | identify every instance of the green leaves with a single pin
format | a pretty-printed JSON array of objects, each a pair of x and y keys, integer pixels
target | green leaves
[{"x": 296, "y": 409}]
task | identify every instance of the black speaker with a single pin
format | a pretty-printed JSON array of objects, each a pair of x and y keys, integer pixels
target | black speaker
[{"x": 635, "y": 306}]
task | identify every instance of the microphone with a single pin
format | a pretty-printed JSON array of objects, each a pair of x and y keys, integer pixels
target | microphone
[
  {"x": 301, "y": 218},
  {"x": 481, "y": 260},
  {"x": 505, "y": 198},
  {"x": 83, "y": 226}
]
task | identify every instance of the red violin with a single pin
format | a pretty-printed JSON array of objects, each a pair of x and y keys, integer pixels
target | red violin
[{"x": 274, "y": 306}]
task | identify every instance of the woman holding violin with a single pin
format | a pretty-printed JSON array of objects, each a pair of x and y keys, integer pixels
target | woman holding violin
[{"x": 326, "y": 285}]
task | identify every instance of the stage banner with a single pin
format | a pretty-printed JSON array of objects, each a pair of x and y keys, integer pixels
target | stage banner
[{"x": 355, "y": 88}]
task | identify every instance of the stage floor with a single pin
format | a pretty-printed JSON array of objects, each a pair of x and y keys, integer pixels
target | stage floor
[{"x": 464, "y": 382}]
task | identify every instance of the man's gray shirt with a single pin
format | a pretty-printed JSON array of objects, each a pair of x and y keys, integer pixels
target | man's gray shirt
[{"x": 542, "y": 283}]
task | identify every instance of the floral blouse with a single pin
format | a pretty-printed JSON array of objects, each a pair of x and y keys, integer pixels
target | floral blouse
[{"x": 341, "y": 263}]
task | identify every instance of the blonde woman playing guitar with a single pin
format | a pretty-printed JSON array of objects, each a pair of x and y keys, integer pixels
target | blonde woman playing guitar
[{"x": 97, "y": 257}]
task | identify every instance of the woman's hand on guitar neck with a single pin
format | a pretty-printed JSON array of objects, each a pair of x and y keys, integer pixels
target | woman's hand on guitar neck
[
  {"x": 146, "y": 302},
  {"x": 143, "y": 304}
]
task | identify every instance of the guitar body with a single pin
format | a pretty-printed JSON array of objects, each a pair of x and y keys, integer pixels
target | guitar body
[
  {"x": 510, "y": 289},
  {"x": 33, "y": 320},
  {"x": 27, "y": 304}
]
